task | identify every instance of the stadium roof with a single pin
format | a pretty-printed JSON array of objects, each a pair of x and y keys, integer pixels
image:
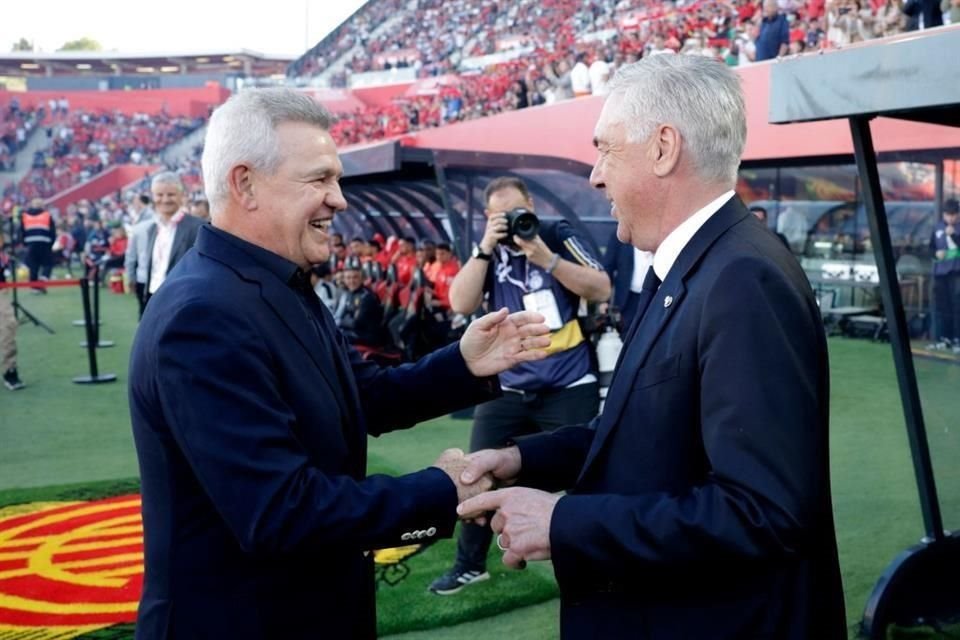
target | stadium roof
[{"x": 98, "y": 63}]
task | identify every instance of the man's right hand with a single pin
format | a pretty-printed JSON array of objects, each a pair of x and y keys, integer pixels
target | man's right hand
[
  {"x": 502, "y": 464},
  {"x": 496, "y": 230},
  {"x": 454, "y": 464}
]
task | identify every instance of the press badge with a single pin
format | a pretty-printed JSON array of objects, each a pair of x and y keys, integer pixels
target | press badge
[{"x": 545, "y": 304}]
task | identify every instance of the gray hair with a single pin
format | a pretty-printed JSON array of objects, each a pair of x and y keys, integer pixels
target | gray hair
[
  {"x": 167, "y": 177},
  {"x": 702, "y": 98},
  {"x": 243, "y": 130}
]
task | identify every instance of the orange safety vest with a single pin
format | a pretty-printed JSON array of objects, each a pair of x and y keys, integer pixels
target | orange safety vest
[{"x": 37, "y": 227}]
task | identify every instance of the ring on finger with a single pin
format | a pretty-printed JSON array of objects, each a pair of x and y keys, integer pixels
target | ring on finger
[{"x": 500, "y": 543}]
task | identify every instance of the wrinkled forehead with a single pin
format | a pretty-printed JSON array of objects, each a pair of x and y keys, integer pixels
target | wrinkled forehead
[{"x": 610, "y": 123}]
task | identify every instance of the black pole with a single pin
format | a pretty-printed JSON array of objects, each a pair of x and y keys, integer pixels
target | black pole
[
  {"x": 897, "y": 326},
  {"x": 95, "y": 278},
  {"x": 94, "y": 377},
  {"x": 87, "y": 268}
]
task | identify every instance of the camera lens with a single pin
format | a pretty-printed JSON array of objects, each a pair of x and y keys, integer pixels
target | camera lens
[{"x": 522, "y": 223}]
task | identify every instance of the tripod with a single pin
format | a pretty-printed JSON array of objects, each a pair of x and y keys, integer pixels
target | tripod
[{"x": 17, "y": 307}]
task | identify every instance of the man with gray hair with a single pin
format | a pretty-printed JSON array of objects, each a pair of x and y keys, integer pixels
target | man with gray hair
[
  {"x": 698, "y": 503},
  {"x": 251, "y": 413},
  {"x": 172, "y": 233}
]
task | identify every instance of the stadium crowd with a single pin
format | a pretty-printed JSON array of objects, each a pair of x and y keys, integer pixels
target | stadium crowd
[
  {"x": 16, "y": 127},
  {"x": 560, "y": 49},
  {"x": 84, "y": 143}
]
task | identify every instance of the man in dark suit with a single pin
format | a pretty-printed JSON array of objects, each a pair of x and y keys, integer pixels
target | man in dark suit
[
  {"x": 172, "y": 233},
  {"x": 251, "y": 413},
  {"x": 698, "y": 503}
]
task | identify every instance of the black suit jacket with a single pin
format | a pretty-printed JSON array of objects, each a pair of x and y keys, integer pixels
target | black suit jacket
[
  {"x": 183, "y": 240},
  {"x": 250, "y": 416},
  {"x": 699, "y": 503}
]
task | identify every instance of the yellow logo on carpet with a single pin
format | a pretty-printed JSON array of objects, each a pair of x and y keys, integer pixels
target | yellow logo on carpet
[{"x": 67, "y": 569}]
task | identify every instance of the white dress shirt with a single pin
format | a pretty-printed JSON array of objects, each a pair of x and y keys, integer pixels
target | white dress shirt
[
  {"x": 160, "y": 259},
  {"x": 669, "y": 250}
]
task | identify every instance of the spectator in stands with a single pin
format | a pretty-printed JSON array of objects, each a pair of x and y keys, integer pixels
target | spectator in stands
[
  {"x": 774, "y": 38},
  {"x": 599, "y": 75},
  {"x": 359, "y": 312},
  {"x": 761, "y": 214},
  {"x": 889, "y": 18},
  {"x": 793, "y": 225},
  {"x": 116, "y": 252},
  {"x": 442, "y": 273},
  {"x": 321, "y": 276},
  {"x": 580, "y": 77},
  {"x": 250, "y": 414},
  {"x": 951, "y": 11},
  {"x": 200, "y": 209},
  {"x": 406, "y": 260},
  {"x": 140, "y": 210},
  {"x": 922, "y": 14},
  {"x": 172, "y": 234},
  {"x": 696, "y": 507},
  {"x": 945, "y": 244},
  {"x": 551, "y": 273}
]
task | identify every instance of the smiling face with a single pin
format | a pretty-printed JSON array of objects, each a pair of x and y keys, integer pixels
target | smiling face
[
  {"x": 297, "y": 202},
  {"x": 167, "y": 198},
  {"x": 624, "y": 171}
]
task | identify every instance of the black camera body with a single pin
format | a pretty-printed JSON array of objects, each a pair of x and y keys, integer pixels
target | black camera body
[{"x": 522, "y": 223}]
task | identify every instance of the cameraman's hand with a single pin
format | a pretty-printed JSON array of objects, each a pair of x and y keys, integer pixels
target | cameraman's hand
[
  {"x": 496, "y": 231},
  {"x": 536, "y": 251}
]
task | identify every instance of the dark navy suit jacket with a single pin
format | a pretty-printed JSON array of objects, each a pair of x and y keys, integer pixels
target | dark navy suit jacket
[
  {"x": 250, "y": 415},
  {"x": 699, "y": 502}
]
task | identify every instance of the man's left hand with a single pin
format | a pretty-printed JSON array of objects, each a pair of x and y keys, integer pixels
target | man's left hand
[
  {"x": 522, "y": 521},
  {"x": 498, "y": 341},
  {"x": 536, "y": 250}
]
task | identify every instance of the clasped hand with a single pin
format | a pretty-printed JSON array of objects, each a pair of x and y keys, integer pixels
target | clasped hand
[{"x": 521, "y": 517}]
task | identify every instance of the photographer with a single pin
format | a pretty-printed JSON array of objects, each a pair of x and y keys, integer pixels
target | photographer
[{"x": 549, "y": 271}]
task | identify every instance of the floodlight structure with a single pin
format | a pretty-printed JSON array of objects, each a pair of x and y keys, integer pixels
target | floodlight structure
[{"x": 911, "y": 77}]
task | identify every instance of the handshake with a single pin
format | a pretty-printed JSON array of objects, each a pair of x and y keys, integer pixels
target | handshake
[
  {"x": 522, "y": 516},
  {"x": 481, "y": 471}
]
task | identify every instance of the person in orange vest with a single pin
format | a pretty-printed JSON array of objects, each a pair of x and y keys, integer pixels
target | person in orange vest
[{"x": 38, "y": 231}]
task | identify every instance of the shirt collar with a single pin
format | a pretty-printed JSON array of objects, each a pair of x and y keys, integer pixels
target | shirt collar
[
  {"x": 174, "y": 220},
  {"x": 669, "y": 250},
  {"x": 286, "y": 271}
]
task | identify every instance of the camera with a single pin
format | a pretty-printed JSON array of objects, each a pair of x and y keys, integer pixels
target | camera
[{"x": 522, "y": 223}]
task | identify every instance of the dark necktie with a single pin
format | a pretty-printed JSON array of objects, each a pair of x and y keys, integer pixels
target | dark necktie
[
  {"x": 650, "y": 285},
  {"x": 649, "y": 289}
]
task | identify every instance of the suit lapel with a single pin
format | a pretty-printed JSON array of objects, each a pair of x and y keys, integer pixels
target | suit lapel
[
  {"x": 651, "y": 325},
  {"x": 285, "y": 304},
  {"x": 180, "y": 244}
]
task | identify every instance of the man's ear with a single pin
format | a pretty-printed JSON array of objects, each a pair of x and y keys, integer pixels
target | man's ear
[
  {"x": 240, "y": 180},
  {"x": 666, "y": 150}
]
